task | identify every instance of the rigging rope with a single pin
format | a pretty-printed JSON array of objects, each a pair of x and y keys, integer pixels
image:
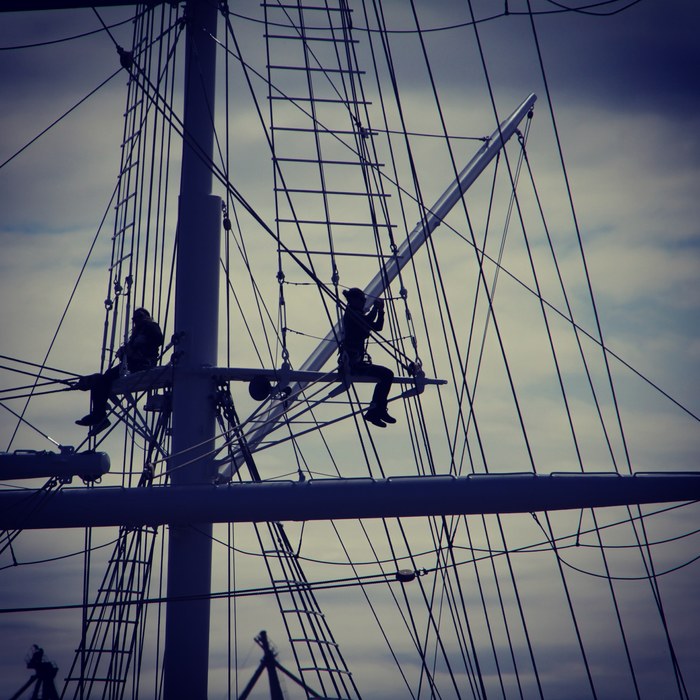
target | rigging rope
[
  {"x": 563, "y": 9},
  {"x": 59, "y": 119},
  {"x": 69, "y": 38},
  {"x": 678, "y": 674}
]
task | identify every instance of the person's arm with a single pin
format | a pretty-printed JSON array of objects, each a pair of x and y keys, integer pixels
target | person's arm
[
  {"x": 375, "y": 317},
  {"x": 144, "y": 344}
]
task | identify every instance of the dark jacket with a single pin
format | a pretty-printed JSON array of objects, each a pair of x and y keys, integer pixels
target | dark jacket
[
  {"x": 357, "y": 327},
  {"x": 142, "y": 349}
]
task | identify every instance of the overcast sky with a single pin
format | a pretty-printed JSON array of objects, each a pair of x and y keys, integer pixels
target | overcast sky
[{"x": 626, "y": 97}]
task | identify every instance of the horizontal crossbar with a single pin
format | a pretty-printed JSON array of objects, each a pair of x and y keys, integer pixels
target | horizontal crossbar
[
  {"x": 337, "y": 499},
  {"x": 161, "y": 377}
]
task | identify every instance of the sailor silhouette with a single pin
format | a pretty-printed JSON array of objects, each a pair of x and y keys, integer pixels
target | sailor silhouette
[
  {"x": 357, "y": 326},
  {"x": 140, "y": 352}
]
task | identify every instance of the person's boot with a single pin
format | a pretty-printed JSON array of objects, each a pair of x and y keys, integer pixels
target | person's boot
[
  {"x": 373, "y": 416},
  {"x": 89, "y": 420},
  {"x": 384, "y": 415},
  {"x": 97, "y": 422}
]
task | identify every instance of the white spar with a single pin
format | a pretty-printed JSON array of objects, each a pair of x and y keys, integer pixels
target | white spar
[{"x": 414, "y": 241}]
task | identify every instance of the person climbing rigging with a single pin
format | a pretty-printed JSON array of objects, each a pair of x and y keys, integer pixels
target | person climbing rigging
[
  {"x": 357, "y": 326},
  {"x": 139, "y": 353}
]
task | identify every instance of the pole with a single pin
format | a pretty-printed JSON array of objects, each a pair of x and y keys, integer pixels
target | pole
[
  {"x": 186, "y": 659},
  {"x": 338, "y": 499},
  {"x": 271, "y": 665}
]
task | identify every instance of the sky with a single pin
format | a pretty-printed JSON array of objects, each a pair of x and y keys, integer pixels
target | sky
[{"x": 625, "y": 92}]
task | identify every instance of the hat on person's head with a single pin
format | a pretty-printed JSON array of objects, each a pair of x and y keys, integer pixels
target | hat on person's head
[
  {"x": 141, "y": 314},
  {"x": 353, "y": 293}
]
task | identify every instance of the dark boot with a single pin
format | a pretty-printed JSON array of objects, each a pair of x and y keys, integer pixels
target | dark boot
[
  {"x": 93, "y": 419},
  {"x": 89, "y": 420},
  {"x": 384, "y": 415},
  {"x": 374, "y": 416}
]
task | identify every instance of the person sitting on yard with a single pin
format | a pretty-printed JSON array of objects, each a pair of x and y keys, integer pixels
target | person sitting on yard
[
  {"x": 357, "y": 326},
  {"x": 139, "y": 353}
]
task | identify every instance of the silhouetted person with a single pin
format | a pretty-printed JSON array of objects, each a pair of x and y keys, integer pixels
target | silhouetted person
[
  {"x": 357, "y": 326},
  {"x": 139, "y": 353}
]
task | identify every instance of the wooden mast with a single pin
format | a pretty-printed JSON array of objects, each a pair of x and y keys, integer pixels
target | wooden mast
[{"x": 186, "y": 659}]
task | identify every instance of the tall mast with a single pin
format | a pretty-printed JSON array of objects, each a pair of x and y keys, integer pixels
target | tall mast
[{"x": 186, "y": 661}]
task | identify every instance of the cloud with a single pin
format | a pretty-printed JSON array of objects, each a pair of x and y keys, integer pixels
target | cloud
[{"x": 624, "y": 97}]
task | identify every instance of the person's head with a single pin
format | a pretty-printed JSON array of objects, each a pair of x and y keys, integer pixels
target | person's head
[
  {"x": 140, "y": 315},
  {"x": 355, "y": 297}
]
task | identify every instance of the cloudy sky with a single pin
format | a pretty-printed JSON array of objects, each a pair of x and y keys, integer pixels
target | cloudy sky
[{"x": 625, "y": 92}]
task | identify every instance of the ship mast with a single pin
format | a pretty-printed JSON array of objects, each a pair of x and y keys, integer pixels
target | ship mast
[{"x": 186, "y": 661}]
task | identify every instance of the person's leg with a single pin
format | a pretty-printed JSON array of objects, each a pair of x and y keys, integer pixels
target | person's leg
[
  {"x": 377, "y": 412},
  {"x": 100, "y": 393},
  {"x": 100, "y": 387},
  {"x": 88, "y": 381},
  {"x": 381, "y": 391}
]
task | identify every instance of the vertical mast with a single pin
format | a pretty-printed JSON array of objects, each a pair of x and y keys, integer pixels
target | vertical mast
[{"x": 186, "y": 661}]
